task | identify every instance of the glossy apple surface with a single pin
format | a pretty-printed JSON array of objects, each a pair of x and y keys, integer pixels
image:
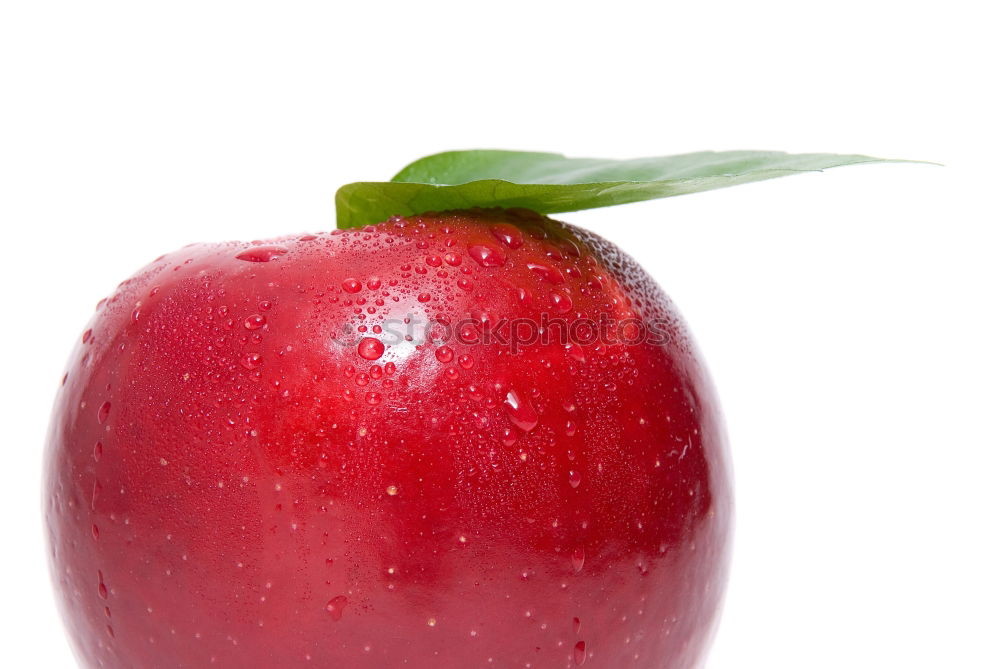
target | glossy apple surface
[{"x": 320, "y": 451}]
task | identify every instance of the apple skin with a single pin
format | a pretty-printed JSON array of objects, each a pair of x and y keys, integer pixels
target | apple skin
[{"x": 233, "y": 481}]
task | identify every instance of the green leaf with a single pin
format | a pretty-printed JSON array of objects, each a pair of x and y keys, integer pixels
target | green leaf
[{"x": 550, "y": 183}]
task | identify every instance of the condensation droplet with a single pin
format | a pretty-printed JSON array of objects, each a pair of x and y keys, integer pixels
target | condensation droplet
[
  {"x": 444, "y": 354},
  {"x": 103, "y": 411},
  {"x": 252, "y": 361},
  {"x": 575, "y": 478},
  {"x": 521, "y": 413},
  {"x": 254, "y": 322},
  {"x": 561, "y": 301},
  {"x": 577, "y": 558},
  {"x": 547, "y": 272},
  {"x": 580, "y": 652},
  {"x": 370, "y": 348},
  {"x": 487, "y": 256},
  {"x": 262, "y": 253},
  {"x": 351, "y": 285},
  {"x": 335, "y": 607},
  {"x": 509, "y": 235}
]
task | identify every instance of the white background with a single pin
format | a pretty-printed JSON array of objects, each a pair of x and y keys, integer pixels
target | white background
[{"x": 850, "y": 317}]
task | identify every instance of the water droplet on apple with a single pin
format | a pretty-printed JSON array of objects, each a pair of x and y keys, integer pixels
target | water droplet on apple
[
  {"x": 521, "y": 413},
  {"x": 575, "y": 351},
  {"x": 103, "y": 411},
  {"x": 444, "y": 354},
  {"x": 547, "y": 272},
  {"x": 570, "y": 247},
  {"x": 576, "y": 625},
  {"x": 509, "y": 235},
  {"x": 577, "y": 558},
  {"x": 351, "y": 285},
  {"x": 335, "y": 607},
  {"x": 252, "y": 361},
  {"x": 487, "y": 256},
  {"x": 254, "y": 322},
  {"x": 370, "y": 348},
  {"x": 262, "y": 253},
  {"x": 580, "y": 653},
  {"x": 560, "y": 301},
  {"x": 575, "y": 478}
]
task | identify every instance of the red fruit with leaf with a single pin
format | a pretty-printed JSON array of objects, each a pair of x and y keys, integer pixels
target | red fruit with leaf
[{"x": 474, "y": 439}]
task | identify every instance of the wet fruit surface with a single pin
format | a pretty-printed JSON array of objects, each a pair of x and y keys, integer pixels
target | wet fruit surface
[{"x": 459, "y": 441}]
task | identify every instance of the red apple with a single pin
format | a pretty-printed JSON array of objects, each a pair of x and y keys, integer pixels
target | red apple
[{"x": 251, "y": 466}]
